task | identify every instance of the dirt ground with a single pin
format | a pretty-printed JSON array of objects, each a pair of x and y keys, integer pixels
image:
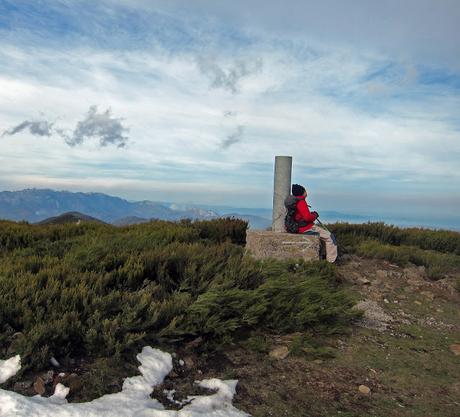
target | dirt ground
[
  {"x": 397, "y": 361},
  {"x": 400, "y": 359}
]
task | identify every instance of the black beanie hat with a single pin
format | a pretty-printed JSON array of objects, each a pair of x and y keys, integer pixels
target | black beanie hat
[{"x": 297, "y": 190}]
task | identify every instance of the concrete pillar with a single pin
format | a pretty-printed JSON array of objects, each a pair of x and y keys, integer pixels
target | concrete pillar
[{"x": 281, "y": 189}]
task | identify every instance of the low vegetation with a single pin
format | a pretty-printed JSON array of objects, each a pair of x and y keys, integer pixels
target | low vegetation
[
  {"x": 437, "y": 250},
  {"x": 444, "y": 241},
  {"x": 91, "y": 295},
  {"x": 95, "y": 290}
]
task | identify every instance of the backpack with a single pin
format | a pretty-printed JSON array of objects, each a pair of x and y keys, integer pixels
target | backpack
[{"x": 290, "y": 224}]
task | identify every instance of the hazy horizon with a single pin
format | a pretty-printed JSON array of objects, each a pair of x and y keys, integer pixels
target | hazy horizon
[{"x": 326, "y": 215}]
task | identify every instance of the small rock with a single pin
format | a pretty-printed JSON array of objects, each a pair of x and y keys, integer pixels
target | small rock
[
  {"x": 363, "y": 281},
  {"x": 418, "y": 302},
  {"x": 39, "y": 386},
  {"x": 280, "y": 352},
  {"x": 381, "y": 274},
  {"x": 385, "y": 301},
  {"x": 363, "y": 389},
  {"x": 455, "y": 349},
  {"x": 54, "y": 362},
  {"x": 181, "y": 362},
  {"x": 318, "y": 361}
]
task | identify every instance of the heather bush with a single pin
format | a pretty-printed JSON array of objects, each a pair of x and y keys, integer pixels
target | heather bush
[
  {"x": 437, "y": 250},
  {"x": 102, "y": 291},
  {"x": 437, "y": 264},
  {"x": 439, "y": 240}
]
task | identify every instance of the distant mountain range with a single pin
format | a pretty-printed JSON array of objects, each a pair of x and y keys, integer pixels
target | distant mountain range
[{"x": 36, "y": 205}]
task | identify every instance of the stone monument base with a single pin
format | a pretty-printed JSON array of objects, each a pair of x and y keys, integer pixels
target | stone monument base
[{"x": 266, "y": 244}]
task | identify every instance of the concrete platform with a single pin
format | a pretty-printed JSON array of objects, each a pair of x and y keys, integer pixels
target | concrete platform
[{"x": 266, "y": 244}]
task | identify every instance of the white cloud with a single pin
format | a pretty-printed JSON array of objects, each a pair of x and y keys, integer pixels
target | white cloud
[{"x": 307, "y": 99}]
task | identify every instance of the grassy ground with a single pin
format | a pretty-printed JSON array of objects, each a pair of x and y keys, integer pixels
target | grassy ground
[
  {"x": 283, "y": 330},
  {"x": 408, "y": 366}
]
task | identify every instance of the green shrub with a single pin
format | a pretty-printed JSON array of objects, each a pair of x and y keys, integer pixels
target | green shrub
[
  {"x": 437, "y": 250},
  {"x": 103, "y": 291},
  {"x": 437, "y": 263},
  {"x": 439, "y": 240}
]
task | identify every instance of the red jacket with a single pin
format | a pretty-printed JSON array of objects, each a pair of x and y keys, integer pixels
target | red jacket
[{"x": 303, "y": 213}]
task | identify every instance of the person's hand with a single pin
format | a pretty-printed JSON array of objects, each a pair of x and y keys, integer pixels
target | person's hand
[{"x": 315, "y": 213}]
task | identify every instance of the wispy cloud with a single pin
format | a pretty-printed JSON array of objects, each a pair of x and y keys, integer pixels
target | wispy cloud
[
  {"x": 228, "y": 77},
  {"x": 233, "y": 138}
]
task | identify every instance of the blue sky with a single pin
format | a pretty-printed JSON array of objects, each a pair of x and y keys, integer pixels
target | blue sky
[{"x": 190, "y": 101}]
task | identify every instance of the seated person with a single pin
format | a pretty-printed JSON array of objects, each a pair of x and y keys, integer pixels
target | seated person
[{"x": 303, "y": 221}]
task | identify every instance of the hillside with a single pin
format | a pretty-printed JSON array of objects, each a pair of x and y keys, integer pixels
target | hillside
[
  {"x": 70, "y": 217},
  {"x": 377, "y": 335}
]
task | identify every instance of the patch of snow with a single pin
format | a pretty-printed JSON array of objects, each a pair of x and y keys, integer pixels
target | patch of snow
[
  {"x": 60, "y": 392},
  {"x": 224, "y": 395},
  {"x": 9, "y": 368},
  {"x": 133, "y": 400}
]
